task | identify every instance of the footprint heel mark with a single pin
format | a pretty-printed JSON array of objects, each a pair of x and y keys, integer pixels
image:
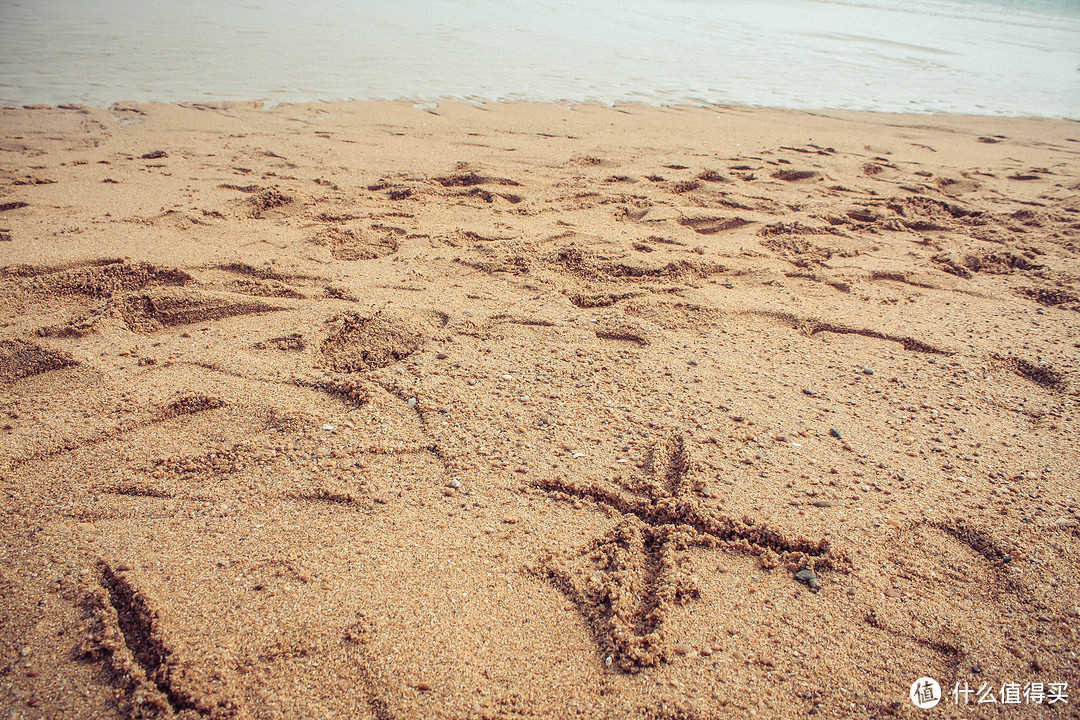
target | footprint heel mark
[
  {"x": 787, "y": 240},
  {"x": 1052, "y": 297},
  {"x": 1000, "y": 262},
  {"x": 351, "y": 244},
  {"x": 160, "y": 308},
  {"x": 598, "y": 300},
  {"x": 265, "y": 288},
  {"x": 925, "y": 214},
  {"x": 264, "y": 201},
  {"x": 293, "y": 342},
  {"x": 20, "y": 359},
  {"x": 351, "y": 391},
  {"x": 592, "y": 266},
  {"x": 901, "y": 278},
  {"x": 101, "y": 278},
  {"x": 1038, "y": 373},
  {"x": 489, "y": 197},
  {"x": 795, "y": 175},
  {"x": 125, "y": 632},
  {"x": 189, "y": 404},
  {"x": 625, "y": 331},
  {"x": 626, "y": 583},
  {"x": 471, "y": 179},
  {"x": 265, "y": 272},
  {"x": 713, "y": 225},
  {"x": 358, "y": 343}
]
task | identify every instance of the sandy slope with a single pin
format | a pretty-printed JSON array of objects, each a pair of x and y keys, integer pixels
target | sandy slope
[{"x": 369, "y": 410}]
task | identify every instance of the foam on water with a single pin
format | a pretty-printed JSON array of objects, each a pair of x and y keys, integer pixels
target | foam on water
[{"x": 978, "y": 56}]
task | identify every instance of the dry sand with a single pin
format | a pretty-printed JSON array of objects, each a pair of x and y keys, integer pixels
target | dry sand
[{"x": 535, "y": 411}]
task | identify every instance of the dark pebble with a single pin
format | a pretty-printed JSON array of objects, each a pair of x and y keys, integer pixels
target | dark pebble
[
  {"x": 809, "y": 577},
  {"x": 835, "y": 433}
]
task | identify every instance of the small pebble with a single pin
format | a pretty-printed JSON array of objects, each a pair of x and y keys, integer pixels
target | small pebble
[
  {"x": 441, "y": 356},
  {"x": 412, "y": 403},
  {"x": 691, "y": 362},
  {"x": 25, "y": 652},
  {"x": 682, "y": 648},
  {"x": 808, "y": 576},
  {"x": 867, "y": 371},
  {"x": 807, "y": 391},
  {"x": 835, "y": 433},
  {"x": 423, "y": 687},
  {"x": 454, "y": 483},
  {"x": 511, "y": 519}
]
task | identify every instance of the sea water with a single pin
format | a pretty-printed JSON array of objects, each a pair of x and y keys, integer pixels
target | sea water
[{"x": 1014, "y": 57}]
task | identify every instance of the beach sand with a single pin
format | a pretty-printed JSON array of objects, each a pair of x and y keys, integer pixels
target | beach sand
[{"x": 520, "y": 410}]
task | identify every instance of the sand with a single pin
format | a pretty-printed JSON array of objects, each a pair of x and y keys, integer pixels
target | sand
[{"x": 535, "y": 411}]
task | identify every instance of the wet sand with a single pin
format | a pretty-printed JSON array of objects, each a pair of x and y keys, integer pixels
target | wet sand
[{"x": 535, "y": 410}]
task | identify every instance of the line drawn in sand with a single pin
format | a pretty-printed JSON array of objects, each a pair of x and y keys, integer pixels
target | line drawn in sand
[{"x": 626, "y": 582}]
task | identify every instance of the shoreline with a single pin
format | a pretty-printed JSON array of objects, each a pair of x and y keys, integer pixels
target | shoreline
[
  {"x": 268, "y": 104},
  {"x": 534, "y": 410}
]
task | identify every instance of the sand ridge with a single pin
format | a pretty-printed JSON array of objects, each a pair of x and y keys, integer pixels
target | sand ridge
[{"x": 534, "y": 410}]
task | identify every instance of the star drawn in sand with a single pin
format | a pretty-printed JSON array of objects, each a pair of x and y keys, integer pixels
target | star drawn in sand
[{"x": 626, "y": 582}]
